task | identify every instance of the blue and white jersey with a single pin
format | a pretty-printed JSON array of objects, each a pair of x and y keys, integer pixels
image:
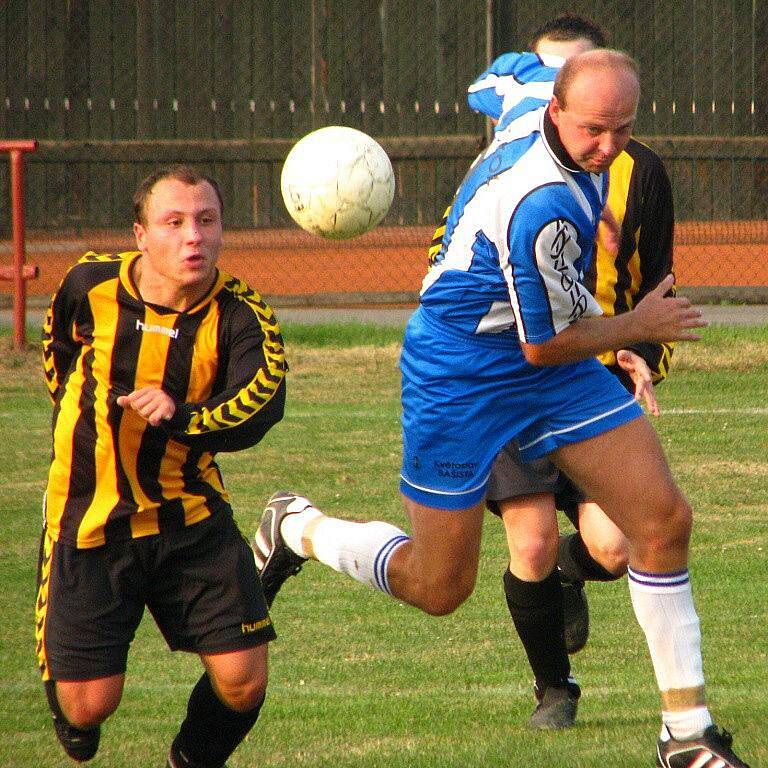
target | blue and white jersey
[
  {"x": 514, "y": 80},
  {"x": 518, "y": 239}
]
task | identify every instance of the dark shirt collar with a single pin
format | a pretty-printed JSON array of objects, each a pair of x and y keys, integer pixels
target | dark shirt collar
[{"x": 555, "y": 146}]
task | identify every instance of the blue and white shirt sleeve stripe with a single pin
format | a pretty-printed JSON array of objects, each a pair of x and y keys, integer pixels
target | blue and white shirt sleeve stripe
[{"x": 510, "y": 79}]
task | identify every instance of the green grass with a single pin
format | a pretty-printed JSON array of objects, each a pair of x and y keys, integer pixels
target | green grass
[
  {"x": 359, "y": 680},
  {"x": 337, "y": 336}
]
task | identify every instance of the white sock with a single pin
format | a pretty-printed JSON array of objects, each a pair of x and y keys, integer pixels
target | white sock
[
  {"x": 293, "y": 525},
  {"x": 687, "y": 723},
  {"x": 663, "y": 604},
  {"x": 361, "y": 550}
]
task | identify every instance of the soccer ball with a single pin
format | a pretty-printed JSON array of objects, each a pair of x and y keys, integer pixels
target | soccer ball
[{"x": 337, "y": 182}]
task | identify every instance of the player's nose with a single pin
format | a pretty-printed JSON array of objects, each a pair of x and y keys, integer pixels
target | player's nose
[
  {"x": 610, "y": 144},
  {"x": 192, "y": 231}
]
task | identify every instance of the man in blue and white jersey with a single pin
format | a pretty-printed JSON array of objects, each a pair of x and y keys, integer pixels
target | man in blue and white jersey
[
  {"x": 544, "y": 580},
  {"x": 502, "y": 346}
]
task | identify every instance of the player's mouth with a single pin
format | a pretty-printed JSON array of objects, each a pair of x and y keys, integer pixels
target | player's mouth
[
  {"x": 195, "y": 261},
  {"x": 600, "y": 164}
]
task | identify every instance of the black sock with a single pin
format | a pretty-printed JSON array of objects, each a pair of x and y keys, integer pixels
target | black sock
[
  {"x": 536, "y": 608},
  {"x": 575, "y": 562},
  {"x": 211, "y": 731}
]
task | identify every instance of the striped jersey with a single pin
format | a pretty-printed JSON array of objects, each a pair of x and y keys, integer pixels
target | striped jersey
[
  {"x": 640, "y": 199},
  {"x": 518, "y": 238},
  {"x": 112, "y": 475}
]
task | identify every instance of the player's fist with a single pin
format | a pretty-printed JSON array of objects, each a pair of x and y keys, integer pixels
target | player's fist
[{"x": 150, "y": 403}]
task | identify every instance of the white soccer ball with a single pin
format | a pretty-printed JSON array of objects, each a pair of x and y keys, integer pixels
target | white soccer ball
[{"x": 337, "y": 182}]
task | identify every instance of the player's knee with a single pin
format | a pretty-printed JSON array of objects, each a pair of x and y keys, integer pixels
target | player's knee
[
  {"x": 669, "y": 527},
  {"x": 85, "y": 715},
  {"x": 85, "y": 704},
  {"x": 612, "y": 554},
  {"x": 444, "y": 597},
  {"x": 679, "y": 522},
  {"x": 244, "y": 695},
  {"x": 535, "y": 557}
]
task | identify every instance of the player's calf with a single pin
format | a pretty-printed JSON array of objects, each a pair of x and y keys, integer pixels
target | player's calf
[{"x": 211, "y": 731}]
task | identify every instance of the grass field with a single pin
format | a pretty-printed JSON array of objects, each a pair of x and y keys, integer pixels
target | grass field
[{"x": 357, "y": 680}]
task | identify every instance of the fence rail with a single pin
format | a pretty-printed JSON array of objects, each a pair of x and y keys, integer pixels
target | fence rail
[
  {"x": 398, "y": 147},
  {"x": 89, "y": 182}
]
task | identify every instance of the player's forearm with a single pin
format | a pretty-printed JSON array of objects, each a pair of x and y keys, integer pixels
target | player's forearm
[
  {"x": 586, "y": 338},
  {"x": 234, "y": 434},
  {"x": 656, "y": 318}
]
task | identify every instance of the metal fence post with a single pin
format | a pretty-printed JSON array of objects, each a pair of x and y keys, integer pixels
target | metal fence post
[{"x": 20, "y": 273}]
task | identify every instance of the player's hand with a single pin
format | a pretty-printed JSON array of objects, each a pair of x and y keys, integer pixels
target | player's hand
[
  {"x": 666, "y": 318},
  {"x": 150, "y": 403},
  {"x": 642, "y": 378},
  {"x": 609, "y": 232}
]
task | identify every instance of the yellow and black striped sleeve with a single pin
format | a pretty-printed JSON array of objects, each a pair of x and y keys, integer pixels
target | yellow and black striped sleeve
[
  {"x": 59, "y": 348},
  {"x": 654, "y": 245},
  {"x": 248, "y": 394},
  {"x": 61, "y": 343},
  {"x": 640, "y": 198},
  {"x": 437, "y": 239}
]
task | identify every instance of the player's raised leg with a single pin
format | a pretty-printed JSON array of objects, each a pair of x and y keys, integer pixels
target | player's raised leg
[
  {"x": 434, "y": 569},
  {"x": 82, "y": 662},
  {"x": 78, "y": 708},
  {"x": 625, "y": 471}
]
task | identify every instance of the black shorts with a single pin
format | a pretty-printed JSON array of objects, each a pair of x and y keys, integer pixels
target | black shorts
[
  {"x": 511, "y": 477},
  {"x": 200, "y": 584}
]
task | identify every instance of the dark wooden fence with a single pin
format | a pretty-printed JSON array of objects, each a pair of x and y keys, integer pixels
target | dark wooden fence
[{"x": 111, "y": 88}]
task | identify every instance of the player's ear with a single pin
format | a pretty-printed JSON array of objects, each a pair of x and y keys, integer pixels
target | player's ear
[
  {"x": 139, "y": 234},
  {"x": 555, "y": 110}
]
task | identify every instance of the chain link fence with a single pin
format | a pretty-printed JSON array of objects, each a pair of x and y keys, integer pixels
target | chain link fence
[{"x": 112, "y": 89}]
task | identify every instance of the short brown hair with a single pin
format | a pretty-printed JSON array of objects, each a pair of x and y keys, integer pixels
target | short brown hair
[
  {"x": 601, "y": 57},
  {"x": 184, "y": 173}
]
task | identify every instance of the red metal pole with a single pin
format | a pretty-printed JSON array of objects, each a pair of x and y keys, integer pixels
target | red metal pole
[
  {"x": 19, "y": 285},
  {"x": 17, "y": 150}
]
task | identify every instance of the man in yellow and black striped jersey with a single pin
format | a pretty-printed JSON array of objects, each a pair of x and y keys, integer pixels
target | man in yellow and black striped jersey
[
  {"x": 633, "y": 253},
  {"x": 155, "y": 360}
]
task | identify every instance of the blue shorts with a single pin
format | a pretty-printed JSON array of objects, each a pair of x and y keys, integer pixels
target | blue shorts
[{"x": 465, "y": 397}]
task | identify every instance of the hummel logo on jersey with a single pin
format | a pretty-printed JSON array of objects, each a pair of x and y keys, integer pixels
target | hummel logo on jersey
[{"x": 146, "y": 328}]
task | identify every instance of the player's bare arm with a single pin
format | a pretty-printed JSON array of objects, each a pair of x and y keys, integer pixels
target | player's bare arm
[
  {"x": 150, "y": 403},
  {"x": 656, "y": 318}
]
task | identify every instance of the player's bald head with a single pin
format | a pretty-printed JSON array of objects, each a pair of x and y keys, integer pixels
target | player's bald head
[
  {"x": 585, "y": 71},
  {"x": 594, "y": 106}
]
